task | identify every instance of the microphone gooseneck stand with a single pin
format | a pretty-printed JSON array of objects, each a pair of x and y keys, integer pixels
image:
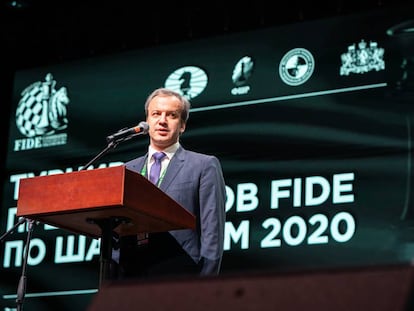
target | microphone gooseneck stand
[
  {"x": 113, "y": 141},
  {"x": 111, "y": 145},
  {"x": 21, "y": 288}
]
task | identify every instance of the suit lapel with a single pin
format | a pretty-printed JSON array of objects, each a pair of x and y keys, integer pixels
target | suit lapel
[
  {"x": 137, "y": 164},
  {"x": 176, "y": 164}
]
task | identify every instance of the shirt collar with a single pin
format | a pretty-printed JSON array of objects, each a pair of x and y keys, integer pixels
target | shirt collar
[{"x": 169, "y": 151}]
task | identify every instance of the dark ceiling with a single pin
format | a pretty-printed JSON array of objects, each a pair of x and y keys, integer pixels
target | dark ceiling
[{"x": 38, "y": 32}]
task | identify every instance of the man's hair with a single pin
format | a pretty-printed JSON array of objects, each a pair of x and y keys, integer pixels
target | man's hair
[{"x": 185, "y": 112}]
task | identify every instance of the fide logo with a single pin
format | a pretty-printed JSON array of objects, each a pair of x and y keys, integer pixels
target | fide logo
[
  {"x": 41, "y": 114},
  {"x": 296, "y": 67}
]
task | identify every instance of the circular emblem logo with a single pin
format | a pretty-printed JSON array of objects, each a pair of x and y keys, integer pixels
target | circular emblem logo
[
  {"x": 296, "y": 67},
  {"x": 189, "y": 81}
]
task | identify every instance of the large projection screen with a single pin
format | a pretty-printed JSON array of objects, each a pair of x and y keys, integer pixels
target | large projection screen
[{"x": 312, "y": 123}]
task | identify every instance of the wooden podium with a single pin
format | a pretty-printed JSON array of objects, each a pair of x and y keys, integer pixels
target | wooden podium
[{"x": 99, "y": 203}]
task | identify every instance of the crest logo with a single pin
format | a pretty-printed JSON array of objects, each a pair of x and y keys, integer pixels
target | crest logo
[
  {"x": 362, "y": 59},
  {"x": 241, "y": 74},
  {"x": 40, "y": 114},
  {"x": 296, "y": 67},
  {"x": 189, "y": 81}
]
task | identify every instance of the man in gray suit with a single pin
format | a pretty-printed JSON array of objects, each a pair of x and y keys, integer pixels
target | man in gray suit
[{"x": 192, "y": 179}]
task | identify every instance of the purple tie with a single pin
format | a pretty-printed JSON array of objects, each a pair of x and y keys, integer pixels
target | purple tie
[{"x": 156, "y": 167}]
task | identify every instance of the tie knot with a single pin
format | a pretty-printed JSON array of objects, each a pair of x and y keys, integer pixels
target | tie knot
[{"x": 158, "y": 156}]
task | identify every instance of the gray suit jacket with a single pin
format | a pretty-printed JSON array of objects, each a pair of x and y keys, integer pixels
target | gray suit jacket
[{"x": 196, "y": 181}]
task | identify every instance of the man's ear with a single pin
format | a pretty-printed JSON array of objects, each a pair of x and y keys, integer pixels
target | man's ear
[{"x": 182, "y": 128}]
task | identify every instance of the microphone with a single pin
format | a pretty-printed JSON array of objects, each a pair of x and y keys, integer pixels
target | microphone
[{"x": 127, "y": 133}]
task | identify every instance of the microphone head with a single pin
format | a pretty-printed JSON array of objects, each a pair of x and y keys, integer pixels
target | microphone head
[{"x": 144, "y": 127}]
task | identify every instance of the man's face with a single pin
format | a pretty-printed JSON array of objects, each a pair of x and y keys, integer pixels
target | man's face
[{"x": 164, "y": 120}]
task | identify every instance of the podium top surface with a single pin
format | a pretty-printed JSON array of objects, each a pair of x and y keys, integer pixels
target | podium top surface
[{"x": 76, "y": 201}]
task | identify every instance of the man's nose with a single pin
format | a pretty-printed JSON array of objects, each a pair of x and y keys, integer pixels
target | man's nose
[{"x": 163, "y": 117}]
